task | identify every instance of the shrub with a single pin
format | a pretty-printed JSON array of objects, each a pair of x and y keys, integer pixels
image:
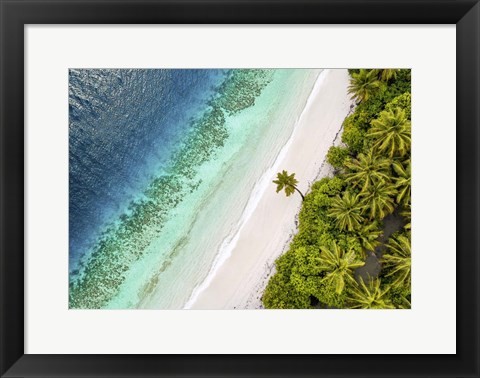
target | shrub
[
  {"x": 327, "y": 295},
  {"x": 336, "y": 156},
  {"x": 280, "y": 291},
  {"x": 354, "y": 138},
  {"x": 403, "y": 101}
]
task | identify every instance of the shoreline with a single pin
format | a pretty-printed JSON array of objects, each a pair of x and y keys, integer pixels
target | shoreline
[
  {"x": 237, "y": 279},
  {"x": 214, "y": 209},
  {"x": 260, "y": 187},
  {"x": 254, "y": 302}
]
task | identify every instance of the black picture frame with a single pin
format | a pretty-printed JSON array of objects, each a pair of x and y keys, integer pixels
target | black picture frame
[{"x": 17, "y": 13}]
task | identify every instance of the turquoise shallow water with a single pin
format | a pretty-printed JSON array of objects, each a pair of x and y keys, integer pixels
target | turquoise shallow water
[{"x": 162, "y": 246}]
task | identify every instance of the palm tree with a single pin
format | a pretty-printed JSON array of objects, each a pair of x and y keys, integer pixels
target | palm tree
[
  {"x": 338, "y": 266},
  {"x": 405, "y": 303},
  {"x": 367, "y": 169},
  {"x": 368, "y": 236},
  {"x": 387, "y": 74},
  {"x": 406, "y": 212},
  {"x": 398, "y": 261},
  {"x": 391, "y": 133},
  {"x": 370, "y": 296},
  {"x": 347, "y": 211},
  {"x": 403, "y": 181},
  {"x": 378, "y": 199},
  {"x": 364, "y": 84},
  {"x": 287, "y": 182}
]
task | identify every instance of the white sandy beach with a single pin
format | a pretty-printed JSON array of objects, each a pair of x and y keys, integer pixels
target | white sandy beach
[{"x": 239, "y": 281}]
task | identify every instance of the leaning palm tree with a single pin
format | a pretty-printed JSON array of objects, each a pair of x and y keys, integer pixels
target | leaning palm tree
[
  {"x": 338, "y": 266},
  {"x": 288, "y": 183},
  {"x": 387, "y": 74},
  {"x": 367, "y": 169},
  {"x": 378, "y": 199},
  {"x": 391, "y": 133},
  {"x": 370, "y": 296},
  {"x": 403, "y": 181},
  {"x": 364, "y": 84},
  {"x": 398, "y": 261},
  {"x": 347, "y": 211}
]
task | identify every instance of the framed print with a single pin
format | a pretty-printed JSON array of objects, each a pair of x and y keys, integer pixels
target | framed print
[{"x": 201, "y": 188}]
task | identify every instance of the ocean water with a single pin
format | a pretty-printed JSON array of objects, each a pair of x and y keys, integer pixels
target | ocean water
[{"x": 162, "y": 166}]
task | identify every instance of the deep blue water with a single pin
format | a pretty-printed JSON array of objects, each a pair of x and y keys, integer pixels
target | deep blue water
[{"x": 123, "y": 128}]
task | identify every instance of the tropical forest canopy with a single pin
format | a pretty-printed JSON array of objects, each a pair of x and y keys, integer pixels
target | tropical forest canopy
[{"x": 352, "y": 249}]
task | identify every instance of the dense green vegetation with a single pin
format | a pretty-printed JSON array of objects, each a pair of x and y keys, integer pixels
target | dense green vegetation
[{"x": 352, "y": 249}]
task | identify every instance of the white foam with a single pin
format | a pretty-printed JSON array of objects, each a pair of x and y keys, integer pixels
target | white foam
[{"x": 229, "y": 243}]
